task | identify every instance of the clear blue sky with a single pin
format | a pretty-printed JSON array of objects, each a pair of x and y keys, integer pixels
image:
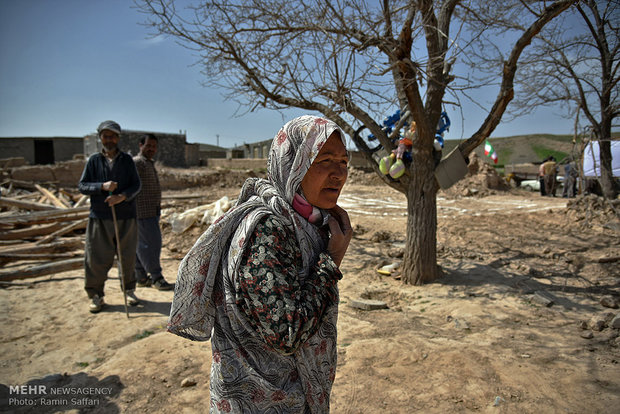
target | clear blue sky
[{"x": 66, "y": 65}]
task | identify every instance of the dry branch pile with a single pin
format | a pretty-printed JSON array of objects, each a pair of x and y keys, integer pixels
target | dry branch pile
[{"x": 38, "y": 225}]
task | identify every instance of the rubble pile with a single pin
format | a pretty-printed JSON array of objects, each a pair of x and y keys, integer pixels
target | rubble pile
[
  {"x": 40, "y": 229},
  {"x": 481, "y": 180},
  {"x": 180, "y": 178},
  {"x": 591, "y": 209}
]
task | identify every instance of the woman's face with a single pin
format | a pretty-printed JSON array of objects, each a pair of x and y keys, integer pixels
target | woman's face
[{"x": 327, "y": 174}]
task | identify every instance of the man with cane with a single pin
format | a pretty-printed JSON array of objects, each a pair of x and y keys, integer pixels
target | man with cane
[{"x": 111, "y": 180}]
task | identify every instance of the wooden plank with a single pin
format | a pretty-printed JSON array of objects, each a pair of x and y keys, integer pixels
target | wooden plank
[
  {"x": 30, "y": 185},
  {"x": 7, "y": 258},
  {"x": 30, "y": 232},
  {"x": 181, "y": 197},
  {"x": 41, "y": 256},
  {"x": 69, "y": 196},
  {"x": 81, "y": 201},
  {"x": 42, "y": 270},
  {"x": 51, "y": 197},
  {"x": 54, "y": 247},
  {"x": 41, "y": 217},
  {"x": 26, "y": 205},
  {"x": 81, "y": 224}
]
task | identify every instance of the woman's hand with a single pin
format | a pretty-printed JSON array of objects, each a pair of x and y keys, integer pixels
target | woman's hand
[{"x": 341, "y": 233}]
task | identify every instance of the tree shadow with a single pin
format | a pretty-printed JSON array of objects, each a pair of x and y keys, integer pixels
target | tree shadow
[
  {"x": 467, "y": 277},
  {"x": 62, "y": 392},
  {"x": 144, "y": 309}
]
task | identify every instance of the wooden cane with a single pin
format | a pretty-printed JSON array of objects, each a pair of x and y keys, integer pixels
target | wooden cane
[{"x": 120, "y": 258}]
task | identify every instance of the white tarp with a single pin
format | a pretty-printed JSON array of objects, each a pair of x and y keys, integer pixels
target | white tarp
[{"x": 591, "y": 161}]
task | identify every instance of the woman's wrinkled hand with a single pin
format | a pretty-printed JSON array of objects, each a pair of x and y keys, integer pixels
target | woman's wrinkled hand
[{"x": 340, "y": 234}]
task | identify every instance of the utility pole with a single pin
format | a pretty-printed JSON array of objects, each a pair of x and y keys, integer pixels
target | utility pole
[{"x": 217, "y": 137}]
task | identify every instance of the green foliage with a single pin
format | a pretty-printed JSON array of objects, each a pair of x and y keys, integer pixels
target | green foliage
[
  {"x": 504, "y": 154},
  {"x": 561, "y": 138},
  {"x": 543, "y": 152},
  {"x": 144, "y": 334}
]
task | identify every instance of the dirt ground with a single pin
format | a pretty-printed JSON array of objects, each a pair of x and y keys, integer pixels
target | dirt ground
[{"x": 480, "y": 339}]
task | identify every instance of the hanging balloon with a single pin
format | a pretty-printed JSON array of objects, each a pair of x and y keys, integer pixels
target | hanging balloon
[
  {"x": 385, "y": 163},
  {"x": 398, "y": 169},
  {"x": 438, "y": 143}
]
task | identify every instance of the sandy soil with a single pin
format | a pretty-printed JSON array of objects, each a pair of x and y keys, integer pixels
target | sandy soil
[{"x": 476, "y": 340}]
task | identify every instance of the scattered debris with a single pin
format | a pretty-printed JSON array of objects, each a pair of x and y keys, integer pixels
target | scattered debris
[
  {"x": 381, "y": 236},
  {"x": 389, "y": 269},
  {"x": 188, "y": 382},
  {"x": 544, "y": 298},
  {"x": 368, "y": 304},
  {"x": 609, "y": 302}
]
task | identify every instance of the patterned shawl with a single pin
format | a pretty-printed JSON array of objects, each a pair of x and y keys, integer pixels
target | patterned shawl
[{"x": 293, "y": 150}]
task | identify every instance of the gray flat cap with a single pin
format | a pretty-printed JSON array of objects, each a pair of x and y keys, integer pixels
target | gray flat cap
[{"x": 109, "y": 125}]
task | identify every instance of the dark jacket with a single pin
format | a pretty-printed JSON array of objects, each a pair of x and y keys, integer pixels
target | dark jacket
[{"x": 97, "y": 171}]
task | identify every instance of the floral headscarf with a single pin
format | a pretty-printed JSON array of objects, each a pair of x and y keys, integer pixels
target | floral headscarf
[{"x": 293, "y": 150}]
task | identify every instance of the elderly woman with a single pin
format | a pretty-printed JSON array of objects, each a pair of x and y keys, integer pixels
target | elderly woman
[{"x": 261, "y": 282}]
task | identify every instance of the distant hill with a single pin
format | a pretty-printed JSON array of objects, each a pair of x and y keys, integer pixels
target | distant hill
[{"x": 521, "y": 149}]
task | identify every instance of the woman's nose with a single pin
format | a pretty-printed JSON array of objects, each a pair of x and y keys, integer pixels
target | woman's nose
[{"x": 339, "y": 172}]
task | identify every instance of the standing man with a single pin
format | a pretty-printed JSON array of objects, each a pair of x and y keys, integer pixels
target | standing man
[
  {"x": 111, "y": 180},
  {"x": 149, "y": 209},
  {"x": 570, "y": 179},
  {"x": 551, "y": 172},
  {"x": 541, "y": 176}
]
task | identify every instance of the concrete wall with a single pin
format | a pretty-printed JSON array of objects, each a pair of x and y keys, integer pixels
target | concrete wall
[
  {"x": 171, "y": 147},
  {"x": 254, "y": 150},
  {"x": 64, "y": 174},
  {"x": 237, "y": 163},
  {"x": 192, "y": 154},
  {"x": 62, "y": 148},
  {"x": 17, "y": 147},
  {"x": 357, "y": 160}
]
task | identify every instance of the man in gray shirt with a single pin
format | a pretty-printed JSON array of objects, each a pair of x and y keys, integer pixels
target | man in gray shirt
[{"x": 148, "y": 203}]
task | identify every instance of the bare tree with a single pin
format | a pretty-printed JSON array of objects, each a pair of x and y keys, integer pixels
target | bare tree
[
  {"x": 354, "y": 61},
  {"x": 576, "y": 62}
]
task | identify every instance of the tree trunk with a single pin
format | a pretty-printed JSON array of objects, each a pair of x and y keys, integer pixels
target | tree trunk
[
  {"x": 608, "y": 185},
  {"x": 420, "y": 258},
  {"x": 607, "y": 179}
]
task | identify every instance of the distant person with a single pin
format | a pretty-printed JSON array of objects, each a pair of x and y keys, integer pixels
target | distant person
[
  {"x": 541, "y": 176},
  {"x": 111, "y": 180},
  {"x": 148, "y": 266},
  {"x": 550, "y": 169},
  {"x": 570, "y": 180}
]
